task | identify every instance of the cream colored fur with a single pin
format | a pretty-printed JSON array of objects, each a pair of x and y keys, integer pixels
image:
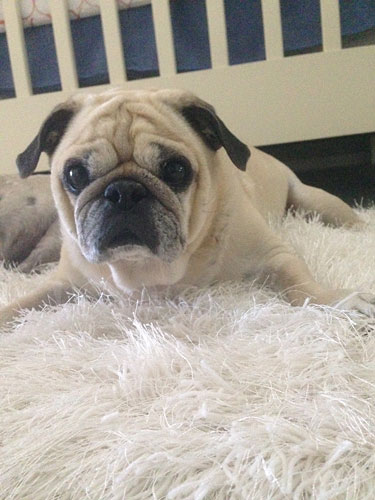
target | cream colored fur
[
  {"x": 222, "y": 392},
  {"x": 222, "y": 218}
]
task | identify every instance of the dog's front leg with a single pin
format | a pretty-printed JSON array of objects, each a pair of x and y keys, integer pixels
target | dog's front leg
[
  {"x": 290, "y": 274},
  {"x": 54, "y": 291},
  {"x": 260, "y": 252}
]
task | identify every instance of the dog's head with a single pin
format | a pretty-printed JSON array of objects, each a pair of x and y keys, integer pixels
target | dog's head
[{"x": 133, "y": 172}]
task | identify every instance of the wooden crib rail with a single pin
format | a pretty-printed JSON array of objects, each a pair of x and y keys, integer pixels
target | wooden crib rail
[
  {"x": 331, "y": 28},
  {"x": 113, "y": 42},
  {"x": 281, "y": 99},
  {"x": 217, "y": 33},
  {"x": 17, "y": 49},
  {"x": 164, "y": 38},
  {"x": 63, "y": 44},
  {"x": 273, "y": 38},
  {"x": 272, "y": 26}
]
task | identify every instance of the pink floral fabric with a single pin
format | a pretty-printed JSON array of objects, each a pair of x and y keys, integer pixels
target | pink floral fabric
[{"x": 36, "y": 12}]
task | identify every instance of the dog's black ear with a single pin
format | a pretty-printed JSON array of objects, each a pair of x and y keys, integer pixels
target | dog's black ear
[
  {"x": 47, "y": 139},
  {"x": 204, "y": 120}
]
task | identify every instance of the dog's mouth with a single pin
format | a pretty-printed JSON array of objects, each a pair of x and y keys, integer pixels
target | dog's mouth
[
  {"x": 123, "y": 238},
  {"x": 107, "y": 234},
  {"x": 117, "y": 231}
]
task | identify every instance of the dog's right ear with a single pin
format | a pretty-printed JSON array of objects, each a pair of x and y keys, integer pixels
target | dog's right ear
[
  {"x": 204, "y": 120},
  {"x": 48, "y": 138}
]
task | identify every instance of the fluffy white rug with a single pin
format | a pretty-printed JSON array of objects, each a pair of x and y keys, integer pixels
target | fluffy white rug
[{"x": 221, "y": 393}]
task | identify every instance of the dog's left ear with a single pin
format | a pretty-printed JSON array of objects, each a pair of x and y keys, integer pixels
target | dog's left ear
[
  {"x": 204, "y": 120},
  {"x": 47, "y": 139}
]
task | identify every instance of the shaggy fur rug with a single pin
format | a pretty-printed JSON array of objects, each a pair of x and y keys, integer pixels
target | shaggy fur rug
[{"x": 221, "y": 393}]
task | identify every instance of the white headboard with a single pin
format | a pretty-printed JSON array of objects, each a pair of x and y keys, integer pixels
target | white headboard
[{"x": 280, "y": 99}]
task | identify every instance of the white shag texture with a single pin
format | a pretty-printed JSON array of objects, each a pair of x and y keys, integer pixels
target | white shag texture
[{"x": 221, "y": 393}]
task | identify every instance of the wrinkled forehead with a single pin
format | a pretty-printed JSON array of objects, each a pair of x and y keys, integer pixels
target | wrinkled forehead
[
  {"x": 124, "y": 120},
  {"x": 100, "y": 121}
]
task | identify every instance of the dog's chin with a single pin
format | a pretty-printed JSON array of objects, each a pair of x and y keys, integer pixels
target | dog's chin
[
  {"x": 131, "y": 252},
  {"x": 107, "y": 236}
]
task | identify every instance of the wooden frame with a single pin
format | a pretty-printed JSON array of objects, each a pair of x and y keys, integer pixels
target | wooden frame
[{"x": 282, "y": 99}]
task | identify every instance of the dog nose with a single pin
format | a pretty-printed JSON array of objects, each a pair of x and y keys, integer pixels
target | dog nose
[{"x": 125, "y": 194}]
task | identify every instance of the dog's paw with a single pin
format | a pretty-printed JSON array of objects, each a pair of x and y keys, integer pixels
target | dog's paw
[
  {"x": 361, "y": 302},
  {"x": 7, "y": 314}
]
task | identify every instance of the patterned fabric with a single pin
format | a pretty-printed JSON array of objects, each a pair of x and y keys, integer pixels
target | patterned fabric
[{"x": 37, "y": 12}]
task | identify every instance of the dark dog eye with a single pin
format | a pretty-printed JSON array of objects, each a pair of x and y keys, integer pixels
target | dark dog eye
[
  {"x": 76, "y": 176},
  {"x": 177, "y": 172}
]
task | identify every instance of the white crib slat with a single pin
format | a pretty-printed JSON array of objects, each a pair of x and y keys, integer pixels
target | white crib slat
[
  {"x": 331, "y": 28},
  {"x": 64, "y": 44},
  {"x": 113, "y": 41},
  {"x": 217, "y": 33},
  {"x": 17, "y": 49},
  {"x": 273, "y": 37},
  {"x": 164, "y": 37}
]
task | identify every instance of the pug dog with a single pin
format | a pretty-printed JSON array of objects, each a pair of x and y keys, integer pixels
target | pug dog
[{"x": 152, "y": 189}]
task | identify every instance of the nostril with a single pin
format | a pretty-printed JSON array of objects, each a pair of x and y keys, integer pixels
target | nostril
[
  {"x": 138, "y": 194},
  {"x": 112, "y": 194},
  {"x": 125, "y": 194}
]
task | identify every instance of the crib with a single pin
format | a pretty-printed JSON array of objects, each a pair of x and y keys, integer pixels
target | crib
[{"x": 277, "y": 99}]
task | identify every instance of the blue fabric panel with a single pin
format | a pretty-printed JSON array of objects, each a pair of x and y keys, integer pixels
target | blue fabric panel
[
  {"x": 89, "y": 51},
  {"x": 138, "y": 37},
  {"x": 244, "y": 31},
  {"x": 300, "y": 24},
  {"x": 190, "y": 35},
  {"x": 357, "y": 16},
  {"x": 6, "y": 77},
  {"x": 41, "y": 53}
]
